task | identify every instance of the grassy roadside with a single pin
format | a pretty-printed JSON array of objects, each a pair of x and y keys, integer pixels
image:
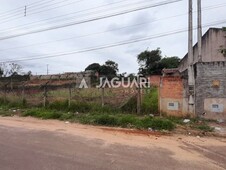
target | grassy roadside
[
  {"x": 111, "y": 119},
  {"x": 105, "y": 119},
  {"x": 94, "y": 114},
  {"x": 149, "y": 104},
  {"x": 195, "y": 124}
]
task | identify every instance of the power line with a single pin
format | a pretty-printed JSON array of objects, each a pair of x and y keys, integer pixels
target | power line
[
  {"x": 34, "y": 11},
  {"x": 57, "y": 3},
  {"x": 15, "y": 16},
  {"x": 11, "y": 11},
  {"x": 64, "y": 14},
  {"x": 19, "y": 13},
  {"x": 19, "y": 9},
  {"x": 89, "y": 20},
  {"x": 97, "y": 33},
  {"x": 72, "y": 18},
  {"x": 12, "y": 14},
  {"x": 43, "y": 3},
  {"x": 82, "y": 10},
  {"x": 34, "y": 23},
  {"x": 76, "y": 37},
  {"x": 89, "y": 49},
  {"x": 90, "y": 13},
  {"x": 121, "y": 43},
  {"x": 31, "y": 5},
  {"x": 34, "y": 6}
]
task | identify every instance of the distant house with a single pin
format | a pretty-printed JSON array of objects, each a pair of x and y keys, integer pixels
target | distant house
[{"x": 210, "y": 80}]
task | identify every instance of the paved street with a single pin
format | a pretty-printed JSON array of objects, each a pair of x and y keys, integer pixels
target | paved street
[{"x": 32, "y": 144}]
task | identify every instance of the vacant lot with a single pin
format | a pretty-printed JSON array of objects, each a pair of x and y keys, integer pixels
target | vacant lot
[{"x": 29, "y": 143}]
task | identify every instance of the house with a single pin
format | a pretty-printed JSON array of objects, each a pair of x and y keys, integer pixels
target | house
[{"x": 210, "y": 80}]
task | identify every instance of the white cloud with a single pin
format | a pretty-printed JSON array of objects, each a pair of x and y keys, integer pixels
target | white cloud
[{"x": 125, "y": 56}]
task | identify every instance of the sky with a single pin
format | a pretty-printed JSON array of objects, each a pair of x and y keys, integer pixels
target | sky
[{"x": 158, "y": 20}]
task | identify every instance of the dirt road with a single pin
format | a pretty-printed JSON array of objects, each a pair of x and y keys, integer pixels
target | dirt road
[{"x": 30, "y": 144}]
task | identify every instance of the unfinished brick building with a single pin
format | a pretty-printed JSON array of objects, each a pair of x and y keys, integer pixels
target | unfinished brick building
[{"x": 210, "y": 80}]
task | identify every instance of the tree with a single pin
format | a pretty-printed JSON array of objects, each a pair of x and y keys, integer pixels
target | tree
[
  {"x": 1, "y": 72},
  {"x": 112, "y": 64},
  {"x": 170, "y": 62},
  {"x": 14, "y": 69},
  {"x": 131, "y": 76},
  {"x": 29, "y": 73},
  {"x": 109, "y": 69},
  {"x": 4, "y": 70},
  {"x": 151, "y": 62},
  {"x": 93, "y": 67},
  {"x": 10, "y": 69}
]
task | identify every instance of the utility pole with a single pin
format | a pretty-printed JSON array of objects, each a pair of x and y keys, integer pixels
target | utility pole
[
  {"x": 191, "y": 81},
  {"x": 199, "y": 30},
  {"x": 190, "y": 33},
  {"x": 25, "y": 11}
]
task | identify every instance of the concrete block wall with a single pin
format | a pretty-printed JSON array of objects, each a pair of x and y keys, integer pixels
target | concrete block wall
[
  {"x": 211, "y": 89},
  {"x": 212, "y": 41}
]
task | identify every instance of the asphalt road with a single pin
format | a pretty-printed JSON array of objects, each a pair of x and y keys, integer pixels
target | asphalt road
[{"x": 23, "y": 148}]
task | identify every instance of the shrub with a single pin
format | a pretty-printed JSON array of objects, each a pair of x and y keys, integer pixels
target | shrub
[
  {"x": 24, "y": 103},
  {"x": 3, "y": 101},
  {"x": 42, "y": 113},
  {"x": 150, "y": 101},
  {"x": 158, "y": 124},
  {"x": 5, "y": 113},
  {"x": 204, "y": 128},
  {"x": 176, "y": 120},
  {"x": 80, "y": 107},
  {"x": 66, "y": 116},
  {"x": 59, "y": 105},
  {"x": 129, "y": 121},
  {"x": 106, "y": 120},
  {"x": 130, "y": 106}
]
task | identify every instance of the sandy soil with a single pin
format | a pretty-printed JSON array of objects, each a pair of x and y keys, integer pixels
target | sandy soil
[{"x": 202, "y": 150}]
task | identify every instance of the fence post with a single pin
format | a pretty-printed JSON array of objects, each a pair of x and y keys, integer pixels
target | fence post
[
  {"x": 69, "y": 99},
  {"x": 23, "y": 93},
  {"x": 11, "y": 83},
  {"x": 5, "y": 91},
  {"x": 138, "y": 100},
  {"x": 138, "y": 96},
  {"x": 45, "y": 96},
  {"x": 102, "y": 96}
]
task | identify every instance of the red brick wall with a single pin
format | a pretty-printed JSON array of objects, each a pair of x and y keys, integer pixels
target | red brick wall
[
  {"x": 171, "y": 90},
  {"x": 155, "y": 80},
  {"x": 172, "y": 87}
]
